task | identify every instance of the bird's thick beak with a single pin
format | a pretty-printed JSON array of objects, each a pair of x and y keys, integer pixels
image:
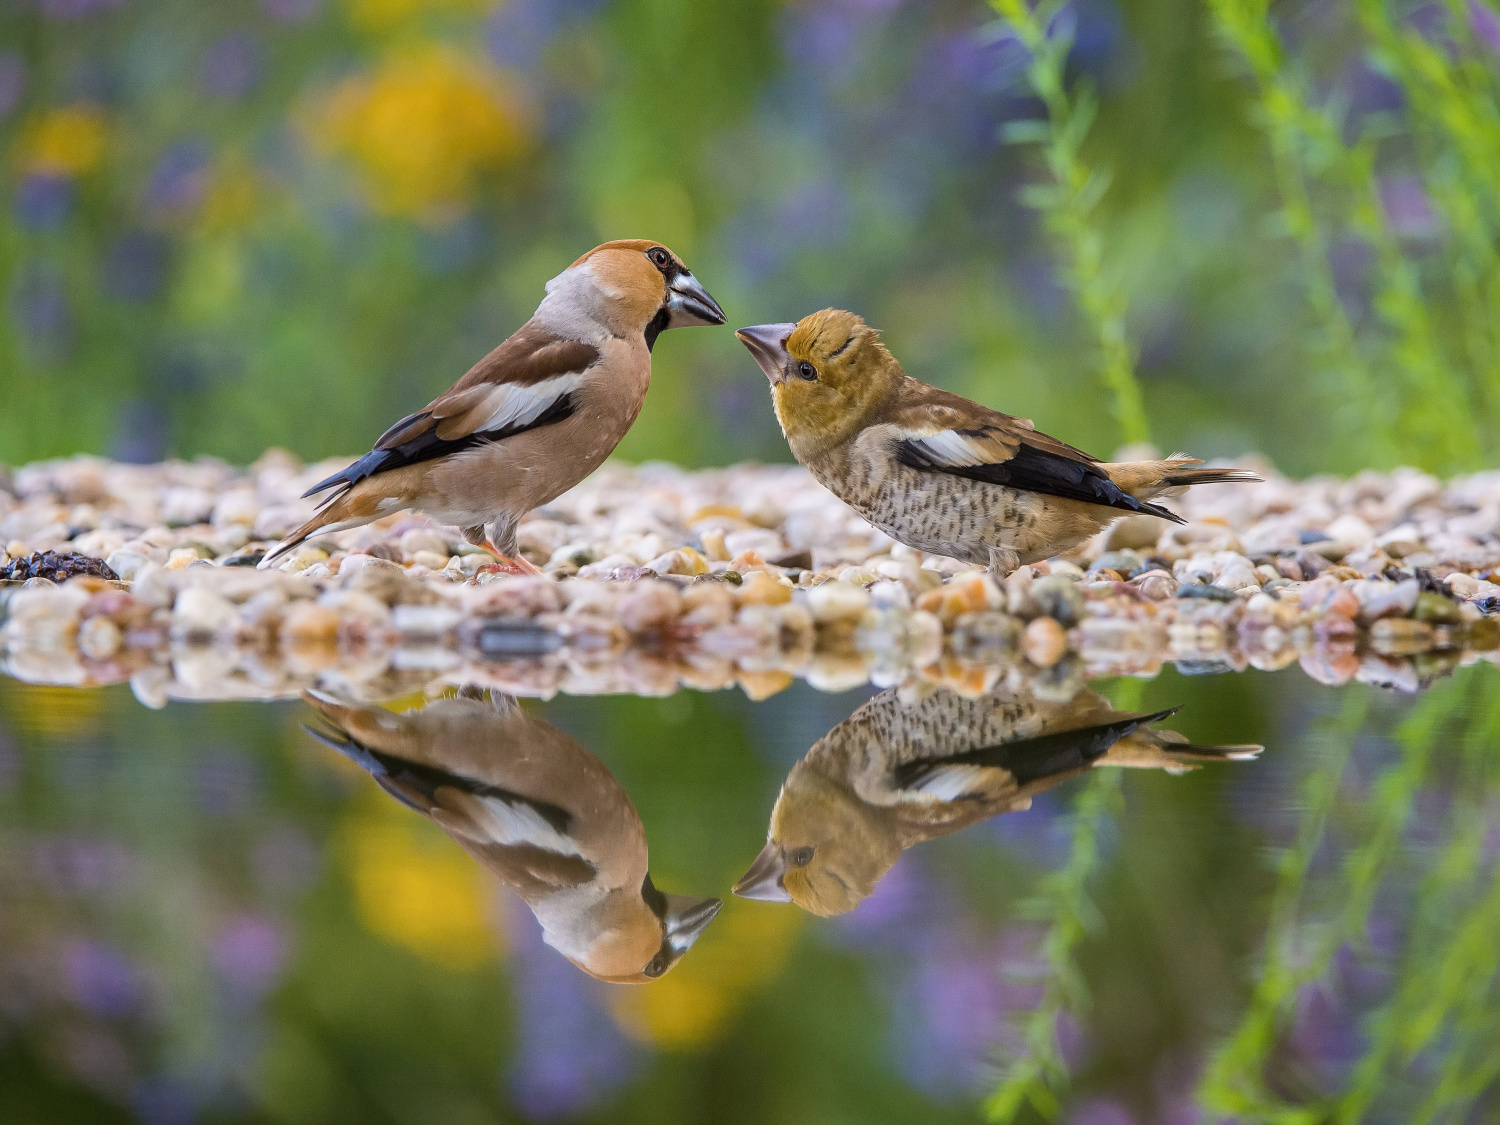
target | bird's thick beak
[
  {"x": 764, "y": 879},
  {"x": 688, "y": 303},
  {"x": 687, "y": 918},
  {"x": 767, "y": 343}
]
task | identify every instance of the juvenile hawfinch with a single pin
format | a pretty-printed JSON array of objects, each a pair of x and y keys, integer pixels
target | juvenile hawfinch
[
  {"x": 539, "y": 811},
  {"x": 897, "y": 773},
  {"x": 936, "y": 471},
  {"x": 535, "y": 416}
]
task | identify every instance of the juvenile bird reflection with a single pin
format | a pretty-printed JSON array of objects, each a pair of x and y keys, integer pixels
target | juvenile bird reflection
[
  {"x": 539, "y": 811},
  {"x": 898, "y": 772}
]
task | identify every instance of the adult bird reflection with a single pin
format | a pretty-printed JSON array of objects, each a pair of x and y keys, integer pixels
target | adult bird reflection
[
  {"x": 539, "y": 811},
  {"x": 896, "y": 773}
]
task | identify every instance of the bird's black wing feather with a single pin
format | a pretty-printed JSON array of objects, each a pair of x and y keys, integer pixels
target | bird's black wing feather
[
  {"x": 413, "y": 783},
  {"x": 1037, "y": 470},
  {"x": 1035, "y": 759},
  {"x": 427, "y": 445}
]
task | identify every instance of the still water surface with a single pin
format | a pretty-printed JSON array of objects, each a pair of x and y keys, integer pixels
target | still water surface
[{"x": 320, "y": 910}]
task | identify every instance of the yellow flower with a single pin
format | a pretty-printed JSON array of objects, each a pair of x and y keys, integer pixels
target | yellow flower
[
  {"x": 415, "y": 887},
  {"x": 67, "y": 141},
  {"x": 423, "y": 128},
  {"x": 694, "y": 1003}
]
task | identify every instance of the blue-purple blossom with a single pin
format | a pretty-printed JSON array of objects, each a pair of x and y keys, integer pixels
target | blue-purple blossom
[
  {"x": 43, "y": 202},
  {"x": 571, "y": 1056},
  {"x": 1408, "y": 212},
  {"x": 102, "y": 980},
  {"x": 1099, "y": 1111},
  {"x": 75, "y": 9},
  {"x": 135, "y": 266},
  {"x": 12, "y": 81},
  {"x": 1485, "y": 24},
  {"x": 291, "y": 11},
  {"x": 40, "y": 309},
  {"x": 179, "y": 179},
  {"x": 248, "y": 954},
  {"x": 232, "y": 66}
]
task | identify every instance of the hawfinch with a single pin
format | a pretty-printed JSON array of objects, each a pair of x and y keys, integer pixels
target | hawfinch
[
  {"x": 535, "y": 416},
  {"x": 896, "y": 773},
  {"x": 539, "y": 811},
  {"x": 936, "y": 471}
]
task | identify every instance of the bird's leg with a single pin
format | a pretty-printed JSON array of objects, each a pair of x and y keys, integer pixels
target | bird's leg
[
  {"x": 506, "y": 561},
  {"x": 1003, "y": 560}
]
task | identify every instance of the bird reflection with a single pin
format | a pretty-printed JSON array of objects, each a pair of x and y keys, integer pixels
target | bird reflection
[
  {"x": 539, "y": 811},
  {"x": 900, "y": 771}
]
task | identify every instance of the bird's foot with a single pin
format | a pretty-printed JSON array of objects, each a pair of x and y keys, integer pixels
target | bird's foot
[{"x": 506, "y": 565}]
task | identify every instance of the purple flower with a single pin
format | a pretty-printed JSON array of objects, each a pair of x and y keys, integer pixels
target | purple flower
[
  {"x": 1099, "y": 1111},
  {"x": 1325, "y": 1033},
  {"x": 291, "y": 11},
  {"x": 81, "y": 867},
  {"x": 12, "y": 81},
  {"x": 1042, "y": 834},
  {"x": 1408, "y": 212},
  {"x": 135, "y": 266},
  {"x": 816, "y": 213},
  {"x": 571, "y": 1055},
  {"x": 232, "y": 66},
  {"x": 179, "y": 179},
  {"x": 39, "y": 307},
  {"x": 948, "y": 1018},
  {"x": 140, "y": 432},
  {"x": 1485, "y": 24},
  {"x": 44, "y": 201},
  {"x": 518, "y": 32},
  {"x": 164, "y": 1102},
  {"x": 227, "y": 782},
  {"x": 897, "y": 913},
  {"x": 75, "y": 9},
  {"x": 102, "y": 980},
  {"x": 248, "y": 954}
]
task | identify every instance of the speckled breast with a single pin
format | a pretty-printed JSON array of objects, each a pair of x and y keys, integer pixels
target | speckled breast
[{"x": 935, "y": 512}]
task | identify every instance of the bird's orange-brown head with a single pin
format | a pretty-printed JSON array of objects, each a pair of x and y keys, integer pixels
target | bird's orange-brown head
[
  {"x": 635, "y": 285},
  {"x": 829, "y": 373}
]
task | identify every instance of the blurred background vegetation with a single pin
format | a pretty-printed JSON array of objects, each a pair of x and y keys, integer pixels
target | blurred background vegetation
[{"x": 286, "y": 222}]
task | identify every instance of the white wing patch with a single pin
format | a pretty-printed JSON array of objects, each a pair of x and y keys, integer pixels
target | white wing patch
[
  {"x": 492, "y": 820},
  {"x": 511, "y": 404},
  {"x": 949, "y": 447},
  {"x": 949, "y": 783}
]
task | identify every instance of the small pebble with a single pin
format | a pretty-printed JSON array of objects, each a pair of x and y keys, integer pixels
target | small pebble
[{"x": 1044, "y": 642}]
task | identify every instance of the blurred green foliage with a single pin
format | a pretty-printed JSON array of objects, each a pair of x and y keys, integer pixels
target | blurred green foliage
[{"x": 286, "y": 222}]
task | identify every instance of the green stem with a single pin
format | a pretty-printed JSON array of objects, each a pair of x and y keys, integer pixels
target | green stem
[{"x": 1068, "y": 202}]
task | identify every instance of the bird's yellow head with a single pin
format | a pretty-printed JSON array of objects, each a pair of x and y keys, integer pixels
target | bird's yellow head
[
  {"x": 829, "y": 375},
  {"x": 827, "y": 848}
]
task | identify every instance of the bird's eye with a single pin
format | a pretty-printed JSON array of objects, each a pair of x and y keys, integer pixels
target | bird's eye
[
  {"x": 659, "y": 257},
  {"x": 802, "y": 856},
  {"x": 657, "y": 966},
  {"x": 806, "y": 371}
]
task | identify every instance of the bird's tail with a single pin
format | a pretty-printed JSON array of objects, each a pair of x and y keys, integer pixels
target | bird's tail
[
  {"x": 1146, "y": 480},
  {"x": 1170, "y": 751},
  {"x": 342, "y": 511}
]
